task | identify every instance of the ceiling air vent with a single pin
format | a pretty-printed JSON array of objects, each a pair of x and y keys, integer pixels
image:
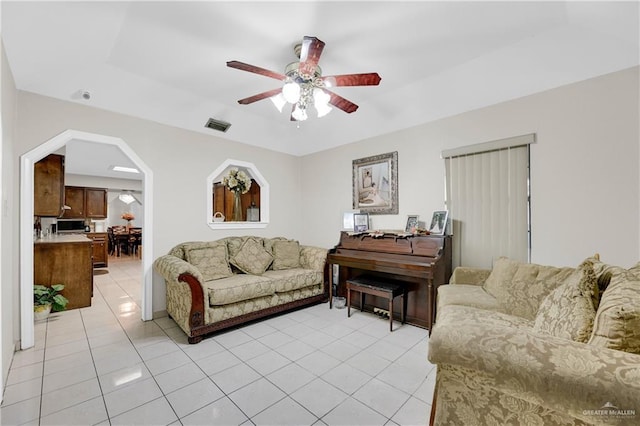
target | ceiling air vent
[{"x": 214, "y": 124}]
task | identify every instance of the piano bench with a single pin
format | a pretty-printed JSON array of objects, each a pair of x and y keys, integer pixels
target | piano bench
[{"x": 389, "y": 289}]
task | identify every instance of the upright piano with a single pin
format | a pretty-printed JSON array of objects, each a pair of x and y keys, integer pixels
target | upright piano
[{"x": 423, "y": 262}]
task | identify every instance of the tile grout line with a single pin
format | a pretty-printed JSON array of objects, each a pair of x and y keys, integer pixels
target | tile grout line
[
  {"x": 153, "y": 376},
  {"x": 44, "y": 356},
  {"x": 93, "y": 361},
  {"x": 316, "y": 377},
  {"x": 73, "y": 384},
  {"x": 302, "y": 320}
]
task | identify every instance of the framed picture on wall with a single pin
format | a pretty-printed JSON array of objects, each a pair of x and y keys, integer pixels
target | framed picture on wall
[
  {"x": 438, "y": 222},
  {"x": 412, "y": 223},
  {"x": 360, "y": 222},
  {"x": 375, "y": 184}
]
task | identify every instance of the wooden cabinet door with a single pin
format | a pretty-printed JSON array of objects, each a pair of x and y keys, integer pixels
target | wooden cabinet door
[
  {"x": 99, "y": 249},
  {"x": 96, "y": 203},
  {"x": 85, "y": 203},
  {"x": 74, "y": 198},
  {"x": 48, "y": 186}
]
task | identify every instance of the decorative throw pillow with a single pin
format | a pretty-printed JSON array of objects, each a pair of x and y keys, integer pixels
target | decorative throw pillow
[
  {"x": 211, "y": 259},
  {"x": 568, "y": 311},
  {"x": 234, "y": 244},
  {"x": 617, "y": 322},
  {"x": 252, "y": 258},
  {"x": 521, "y": 287},
  {"x": 286, "y": 255},
  {"x": 603, "y": 276},
  {"x": 502, "y": 272},
  {"x": 268, "y": 243}
]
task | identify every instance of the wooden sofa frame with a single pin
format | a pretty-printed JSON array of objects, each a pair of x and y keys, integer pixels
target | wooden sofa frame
[{"x": 199, "y": 329}]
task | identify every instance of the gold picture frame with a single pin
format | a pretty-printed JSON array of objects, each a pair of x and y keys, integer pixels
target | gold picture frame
[{"x": 375, "y": 184}]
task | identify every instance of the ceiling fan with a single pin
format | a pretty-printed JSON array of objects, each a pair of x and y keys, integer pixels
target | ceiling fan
[{"x": 304, "y": 84}]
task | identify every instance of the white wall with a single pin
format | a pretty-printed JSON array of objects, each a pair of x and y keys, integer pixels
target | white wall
[
  {"x": 180, "y": 160},
  {"x": 116, "y": 208},
  {"x": 9, "y": 240},
  {"x": 585, "y": 181},
  {"x": 584, "y": 169}
]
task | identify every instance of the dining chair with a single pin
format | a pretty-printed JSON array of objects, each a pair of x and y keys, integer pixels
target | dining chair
[
  {"x": 135, "y": 241},
  {"x": 113, "y": 245}
]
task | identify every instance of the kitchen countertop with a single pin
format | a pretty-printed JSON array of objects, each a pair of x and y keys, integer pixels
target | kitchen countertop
[{"x": 63, "y": 238}]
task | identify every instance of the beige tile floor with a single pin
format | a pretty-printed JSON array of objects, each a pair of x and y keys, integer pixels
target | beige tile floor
[{"x": 102, "y": 365}]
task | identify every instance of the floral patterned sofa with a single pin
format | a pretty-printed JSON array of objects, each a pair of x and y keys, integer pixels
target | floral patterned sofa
[
  {"x": 218, "y": 284},
  {"x": 527, "y": 344}
]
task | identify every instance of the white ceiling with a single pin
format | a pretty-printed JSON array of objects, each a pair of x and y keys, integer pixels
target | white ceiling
[
  {"x": 97, "y": 159},
  {"x": 166, "y": 61}
]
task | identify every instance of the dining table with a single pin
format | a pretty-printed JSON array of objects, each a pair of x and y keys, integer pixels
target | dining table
[{"x": 127, "y": 241}]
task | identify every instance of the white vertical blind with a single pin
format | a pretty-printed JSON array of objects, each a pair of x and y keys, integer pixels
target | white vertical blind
[{"x": 488, "y": 200}]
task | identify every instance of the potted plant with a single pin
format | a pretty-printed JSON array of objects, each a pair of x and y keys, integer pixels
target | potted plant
[{"x": 47, "y": 299}]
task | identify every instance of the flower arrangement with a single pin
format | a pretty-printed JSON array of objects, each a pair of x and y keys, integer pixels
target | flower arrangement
[
  {"x": 237, "y": 181},
  {"x": 128, "y": 216}
]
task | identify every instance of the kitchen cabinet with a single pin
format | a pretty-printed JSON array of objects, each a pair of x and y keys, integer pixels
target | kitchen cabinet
[
  {"x": 95, "y": 203},
  {"x": 48, "y": 186},
  {"x": 100, "y": 249},
  {"x": 74, "y": 198},
  {"x": 85, "y": 203},
  {"x": 65, "y": 259}
]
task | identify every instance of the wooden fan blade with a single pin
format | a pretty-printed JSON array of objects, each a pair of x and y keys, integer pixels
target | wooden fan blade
[
  {"x": 365, "y": 79},
  {"x": 341, "y": 103},
  {"x": 310, "y": 55},
  {"x": 259, "y": 96},
  {"x": 257, "y": 70}
]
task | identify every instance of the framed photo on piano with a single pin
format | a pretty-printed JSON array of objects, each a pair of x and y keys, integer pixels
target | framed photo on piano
[
  {"x": 360, "y": 222},
  {"x": 412, "y": 223},
  {"x": 375, "y": 184},
  {"x": 439, "y": 222}
]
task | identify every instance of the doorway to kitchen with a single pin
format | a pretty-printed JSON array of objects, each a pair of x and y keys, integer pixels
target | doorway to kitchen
[{"x": 27, "y": 162}]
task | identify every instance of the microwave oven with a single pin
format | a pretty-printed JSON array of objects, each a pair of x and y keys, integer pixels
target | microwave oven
[{"x": 70, "y": 225}]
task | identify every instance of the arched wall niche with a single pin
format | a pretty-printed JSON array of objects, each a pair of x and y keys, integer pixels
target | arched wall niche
[{"x": 217, "y": 175}]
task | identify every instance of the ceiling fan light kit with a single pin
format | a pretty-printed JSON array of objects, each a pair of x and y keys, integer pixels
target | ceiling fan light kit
[
  {"x": 303, "y": 84},
  {"x": 279, "y": 101},
  {"x": 291, "y": 92}
]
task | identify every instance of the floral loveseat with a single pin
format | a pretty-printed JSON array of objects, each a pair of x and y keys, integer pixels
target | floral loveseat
[
  {"x": 527, "y": 344},
  {"x": 218, "y": 284}
]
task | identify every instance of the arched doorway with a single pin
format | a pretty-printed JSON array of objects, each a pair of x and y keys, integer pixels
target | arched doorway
[{"x": 27, "y": 162}]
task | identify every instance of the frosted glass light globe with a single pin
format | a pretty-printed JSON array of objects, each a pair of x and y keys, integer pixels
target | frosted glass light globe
[{"x": 291, "y": 92}]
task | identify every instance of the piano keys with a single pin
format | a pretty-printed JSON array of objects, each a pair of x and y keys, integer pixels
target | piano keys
[{"x": 422, "y": 262}]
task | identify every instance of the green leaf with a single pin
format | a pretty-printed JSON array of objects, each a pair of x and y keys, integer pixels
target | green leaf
[
  {"x": 60, "y": 300},
  {"x": 59, "y": 303},
  {"x": 40, "y": 290}
]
